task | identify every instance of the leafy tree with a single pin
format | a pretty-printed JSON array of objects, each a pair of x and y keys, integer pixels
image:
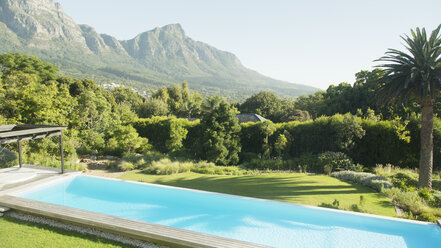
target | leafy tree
[
  {"x": 280, "y": 145},
  {"x": 220, "y": 138},
  {"x": 416, "y": 76},
  {"x": 264, "y": 103},
  {"x": 313, "y": 103},
  {"x": 153, "y": 107},
  {"x": 125, "y": 139},
  {"x": 127, "y": 96},
  {"x": 180, "y": 101},
  {"x": 13, "y": 63}
]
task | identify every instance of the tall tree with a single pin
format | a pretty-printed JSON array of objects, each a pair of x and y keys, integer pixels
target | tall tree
[
  {"x": 220, "y": 137},
  {"x": 416, "y": 75}
]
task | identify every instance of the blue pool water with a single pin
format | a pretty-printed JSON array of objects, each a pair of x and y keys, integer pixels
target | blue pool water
[{"x": 258, "y": 221}]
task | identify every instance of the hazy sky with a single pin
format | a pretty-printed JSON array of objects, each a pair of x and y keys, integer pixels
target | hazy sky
[{"x": 317, "y": 43}]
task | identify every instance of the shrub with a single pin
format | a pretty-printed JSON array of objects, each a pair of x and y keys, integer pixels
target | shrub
[
  {"x": 334, "y": 205},
  {"x": 166, "y": 167},
  {"x": 269, "y": 164},
  {"x": 436, "y": 200},
  {"x": 356, "y": 167},
  {"x": 336, "y": 160},
  {"x": 367, "y": 179},
  {"x": 7, "y": 157},
  {"x": 125, "y": 166},
  {"x": 309, "y": 162},
  {"x": 204, "y": 167},
  {"x": 425, "y": 216},
  {"x": 46, "y": 160},
  {"x": 410, "y": 201},
  {"x": 165, "y": 133}
]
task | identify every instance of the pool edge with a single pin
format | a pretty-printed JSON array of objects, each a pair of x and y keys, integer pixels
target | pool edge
[
  {"x": 155, "y": 233},
  {"x": 268, "y": 200}
]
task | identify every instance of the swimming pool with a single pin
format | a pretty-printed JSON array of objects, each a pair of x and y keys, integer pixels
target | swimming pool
[{"x": 259, "y": 221}]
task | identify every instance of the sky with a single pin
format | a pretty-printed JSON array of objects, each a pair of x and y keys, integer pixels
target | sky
[{"x": 314, "y": 42}]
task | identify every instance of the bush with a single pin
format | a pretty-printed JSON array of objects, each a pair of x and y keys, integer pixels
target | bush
[
  {"x": 429, "y": 217},
  {"x": 125, "y": 166},
  {"x": 436, "y": 200},
  {"x": 410, "y": 201},
  {"x": 45, "y": 160},
  {"x": 166, "y": 134},
  {"x": 362, "y": 178},
  {"x": 308, "y": 162},
  {"x": 335, "y": 160},
  {"x": 334, "y": 205},
  {"x": 7, "y": 157},
  {"x": 269, "y": 164},
  {"x": 166, "y": 167},
  {"x": 204, "y": 167}
]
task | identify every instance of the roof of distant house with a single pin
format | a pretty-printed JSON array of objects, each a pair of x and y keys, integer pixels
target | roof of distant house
[{"x": 249, "y": 118}]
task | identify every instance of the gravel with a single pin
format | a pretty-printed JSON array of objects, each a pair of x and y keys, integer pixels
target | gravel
[{"x": 82, "y": 230}]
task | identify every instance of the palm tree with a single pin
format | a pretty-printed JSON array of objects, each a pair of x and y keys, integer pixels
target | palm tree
[{"x": 416, "y": 76}]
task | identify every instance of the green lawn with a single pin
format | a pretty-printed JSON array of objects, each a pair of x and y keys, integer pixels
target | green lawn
[
  {"x": 16, "y": 233},
  {"x": 290, "y": 187}
]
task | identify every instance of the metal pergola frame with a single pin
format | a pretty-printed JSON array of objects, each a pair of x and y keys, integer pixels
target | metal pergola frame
[{"x": 18, "y": 133}]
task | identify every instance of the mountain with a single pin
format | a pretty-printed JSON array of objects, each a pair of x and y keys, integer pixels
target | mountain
[{"x": 153, "y": 59}]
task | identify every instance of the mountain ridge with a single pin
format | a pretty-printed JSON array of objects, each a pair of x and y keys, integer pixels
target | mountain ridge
[{"x": 155, "y": 58}]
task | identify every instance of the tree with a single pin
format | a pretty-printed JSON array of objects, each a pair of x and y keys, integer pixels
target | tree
[
  {"x": 264, "y": 103},
  {"x": 220, "y": 137},
  {"x": 416, "y": 76}
]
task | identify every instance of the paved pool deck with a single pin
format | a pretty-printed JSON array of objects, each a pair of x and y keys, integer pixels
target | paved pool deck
[{"x": 14, "y": 176}]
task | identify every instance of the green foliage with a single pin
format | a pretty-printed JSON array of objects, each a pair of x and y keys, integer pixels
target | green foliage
[
  {"x": 166, "y": 166},
  {"x": 126, "y": 96},
  {"x": 269, "y": 164},
  {"x": 7, "y": 157},
  {"x": 180, "y": 101},
  {"x": 335, "y": 160},
  {"x": 362, "y": 178},
  {"x": 125, "y": 139},
  {"x": 335, "y": 204},
  {"x": 308, "y": 162},
  {"x": 16, "y": 63},
  {"x": 281, "y": 145},
  {"x": 125, "y": 166},
  {"x": 166, "y": 134},
  {"x": 255, "y": 137},
  {"x": 264, "y": 103},
  {"x": 153, "y": 107},
  {"x": 220, "y": 136}
]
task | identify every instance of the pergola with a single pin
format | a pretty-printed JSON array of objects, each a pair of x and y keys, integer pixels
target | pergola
[{"x": 18, "y": 133}]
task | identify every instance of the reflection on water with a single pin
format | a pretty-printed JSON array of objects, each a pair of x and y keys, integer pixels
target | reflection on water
[{"x": 264, "y": 222}]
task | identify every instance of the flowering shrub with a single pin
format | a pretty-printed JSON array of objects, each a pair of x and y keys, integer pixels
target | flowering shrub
[{"x": 367, "y": 179}]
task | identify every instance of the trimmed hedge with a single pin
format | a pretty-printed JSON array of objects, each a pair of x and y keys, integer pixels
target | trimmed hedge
[{"x": 365, "y": 141}]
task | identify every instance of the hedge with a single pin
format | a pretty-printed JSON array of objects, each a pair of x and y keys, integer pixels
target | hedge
[{"x": 365, "y": 141}]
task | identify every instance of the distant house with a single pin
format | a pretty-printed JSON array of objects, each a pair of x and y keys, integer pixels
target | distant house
[{"x": 249, "y": 118}]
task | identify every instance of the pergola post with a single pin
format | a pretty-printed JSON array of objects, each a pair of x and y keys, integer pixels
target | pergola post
[
  {"x": 61, "y": 151},
  {"x": 20, "y": 159}
]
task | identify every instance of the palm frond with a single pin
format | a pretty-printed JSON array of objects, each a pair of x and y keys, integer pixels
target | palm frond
[{"x": 416, "y": 72}]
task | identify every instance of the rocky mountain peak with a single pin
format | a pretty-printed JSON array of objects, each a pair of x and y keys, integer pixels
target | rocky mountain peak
[{"x": 37, "y": 21}]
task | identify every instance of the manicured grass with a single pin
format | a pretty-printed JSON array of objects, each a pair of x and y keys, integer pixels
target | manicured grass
[
  {"x": 290, "y": 187},
  {"x": 16, "y": 233}
]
